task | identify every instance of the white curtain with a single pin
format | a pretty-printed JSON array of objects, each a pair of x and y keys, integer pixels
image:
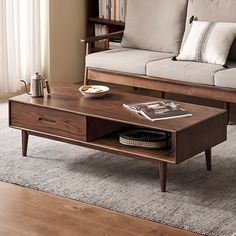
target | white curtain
[{"x": 22, "y": 42}]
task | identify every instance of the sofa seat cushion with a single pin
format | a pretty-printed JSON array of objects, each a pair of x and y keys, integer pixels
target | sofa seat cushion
[
  {"x": 194, "y": 72},
  {"x": 226, "y": 78},
  {"x": 156, "y": 25},
  {"x": 124, "y": 60}
]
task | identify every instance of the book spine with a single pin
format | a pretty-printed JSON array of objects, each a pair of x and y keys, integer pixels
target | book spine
[
  {"x": 101, "y": 30},
  {"x": 103, "y": 7},
  {"x": 96, "y": 30},
  {"x": 100, "y": 9},
  {"x": 122, "y": 10},
  {"x": 118, "y": 10},
  {"x": 109, "y": 9},
  {"x": 106, "y": 9},
  {"x": 114, "y": 9}
]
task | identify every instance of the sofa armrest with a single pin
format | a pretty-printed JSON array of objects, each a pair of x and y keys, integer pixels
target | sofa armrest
[{"x": 101, "y": 37}]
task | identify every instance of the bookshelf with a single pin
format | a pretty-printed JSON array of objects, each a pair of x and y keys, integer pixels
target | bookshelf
[
  {"x": 93, "y": 18},
  {"x": 107, "y": 22}
]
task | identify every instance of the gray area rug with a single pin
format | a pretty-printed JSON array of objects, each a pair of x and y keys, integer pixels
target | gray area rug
[{"x": 197, "y": 200}]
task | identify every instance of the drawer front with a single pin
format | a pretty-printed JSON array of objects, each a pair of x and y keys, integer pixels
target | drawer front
[{"x": 48, "y": 121}]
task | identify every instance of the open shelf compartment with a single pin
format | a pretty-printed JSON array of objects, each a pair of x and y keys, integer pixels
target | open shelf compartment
[{"x": 108, "y": 137}]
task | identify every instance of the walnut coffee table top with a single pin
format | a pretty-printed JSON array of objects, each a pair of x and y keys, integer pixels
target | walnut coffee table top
[{"x": 68, "y": 98}]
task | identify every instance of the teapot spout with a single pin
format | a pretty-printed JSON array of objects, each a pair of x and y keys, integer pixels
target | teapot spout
[{"x": 26, "y": 90}]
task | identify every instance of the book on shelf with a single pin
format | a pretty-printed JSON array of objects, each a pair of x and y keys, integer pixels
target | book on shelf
[
  {"x": 158, "y": 110},
  {"x": 114, "y": 43},
  {"x": 108, "y": 9},
  {"x": 122, "y": 10},
  {"x": 101, "y": 9},
  {"x": 117, "y": 10},
  {"x": 112, "y": 9},
  {"x": 101, "y": 30}
]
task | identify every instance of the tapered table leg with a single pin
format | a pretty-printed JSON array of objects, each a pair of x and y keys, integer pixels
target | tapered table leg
[
  {"x": 163, "y": 173},
  {"x": 24, "y": 136},
  {"x": 208, "y": 159},
  {"x": 227, "y": 107}
]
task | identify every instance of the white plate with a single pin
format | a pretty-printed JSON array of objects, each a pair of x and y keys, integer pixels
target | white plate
[{"x": 94, "y": 91}]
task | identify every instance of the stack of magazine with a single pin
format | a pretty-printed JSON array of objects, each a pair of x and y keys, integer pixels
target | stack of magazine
[{"x": 158, "y": 110}]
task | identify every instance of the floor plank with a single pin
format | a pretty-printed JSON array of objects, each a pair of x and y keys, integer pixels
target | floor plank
[{"x": 26, "y": 212}]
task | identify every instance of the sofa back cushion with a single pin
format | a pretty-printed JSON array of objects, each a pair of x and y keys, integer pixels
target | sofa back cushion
[
  {"x": 214, "y": 11},
  {"x": 156, "y": 25}
]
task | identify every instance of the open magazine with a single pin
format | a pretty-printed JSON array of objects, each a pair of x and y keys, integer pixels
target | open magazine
[{"x": 158, "y": 110}]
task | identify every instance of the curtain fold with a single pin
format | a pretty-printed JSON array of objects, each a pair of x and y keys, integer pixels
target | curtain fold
[{"x": 20, "y": 42}]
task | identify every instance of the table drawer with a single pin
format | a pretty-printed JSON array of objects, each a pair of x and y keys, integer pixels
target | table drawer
[{"x": 48, "y": 121}]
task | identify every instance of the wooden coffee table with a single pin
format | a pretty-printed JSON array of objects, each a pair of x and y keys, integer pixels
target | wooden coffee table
[{"x": 95, "y": 123}]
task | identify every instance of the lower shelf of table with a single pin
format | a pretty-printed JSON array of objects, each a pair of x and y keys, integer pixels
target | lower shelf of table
[{"x": 110, "y": 143}]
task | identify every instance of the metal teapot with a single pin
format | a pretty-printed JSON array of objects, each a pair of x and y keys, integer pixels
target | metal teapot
[{"x": 37, "y": 85}]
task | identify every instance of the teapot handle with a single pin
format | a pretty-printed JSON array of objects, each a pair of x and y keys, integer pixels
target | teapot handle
[{"x": 47, "y": 86}]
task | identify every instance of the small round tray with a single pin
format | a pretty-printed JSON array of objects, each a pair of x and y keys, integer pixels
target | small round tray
[
  {"x": 94, "y": 91},
  {"x": 145, "y": 138}
]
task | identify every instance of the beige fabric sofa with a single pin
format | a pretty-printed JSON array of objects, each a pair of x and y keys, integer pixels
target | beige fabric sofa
[{"x": 155, "y": 31}]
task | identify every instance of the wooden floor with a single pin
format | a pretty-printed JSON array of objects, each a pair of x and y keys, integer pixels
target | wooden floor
[{"x": 26, "y": 212}]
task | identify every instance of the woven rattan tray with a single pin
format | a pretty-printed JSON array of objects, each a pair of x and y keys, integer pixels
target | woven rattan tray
[{"x": 145, "y": 138}]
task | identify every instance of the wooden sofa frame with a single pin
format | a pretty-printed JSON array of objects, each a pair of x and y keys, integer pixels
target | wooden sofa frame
[{"x": 226, "y": 95}]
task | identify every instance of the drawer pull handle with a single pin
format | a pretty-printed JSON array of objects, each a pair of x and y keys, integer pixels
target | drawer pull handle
[{"x": 46, "y": 121}]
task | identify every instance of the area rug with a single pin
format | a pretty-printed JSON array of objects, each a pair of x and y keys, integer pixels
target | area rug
[{"x": 197, "y": 200}]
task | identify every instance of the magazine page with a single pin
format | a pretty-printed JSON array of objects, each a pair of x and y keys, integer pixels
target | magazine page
[{"x": 158, "y": 110}]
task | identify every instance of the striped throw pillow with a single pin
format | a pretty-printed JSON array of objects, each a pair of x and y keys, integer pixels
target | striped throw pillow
[{"x": 208, "y": 42}]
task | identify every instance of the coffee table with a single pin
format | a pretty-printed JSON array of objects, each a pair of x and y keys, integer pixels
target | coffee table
[{"x": 95, "y": 123}]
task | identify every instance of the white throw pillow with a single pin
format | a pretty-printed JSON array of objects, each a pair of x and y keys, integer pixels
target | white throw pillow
[{"x": 208, "y": 42}]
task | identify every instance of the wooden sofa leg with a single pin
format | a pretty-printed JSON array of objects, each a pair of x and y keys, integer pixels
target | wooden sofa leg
[
  {"x": 85, "y": 75},
  {"x": 87, "y": 52},
  {"x": 227, "y": 107},
  {"x": 163, "y": 95}
]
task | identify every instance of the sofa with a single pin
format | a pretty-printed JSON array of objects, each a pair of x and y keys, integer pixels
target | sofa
[{"x": 155, "y": 32}]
